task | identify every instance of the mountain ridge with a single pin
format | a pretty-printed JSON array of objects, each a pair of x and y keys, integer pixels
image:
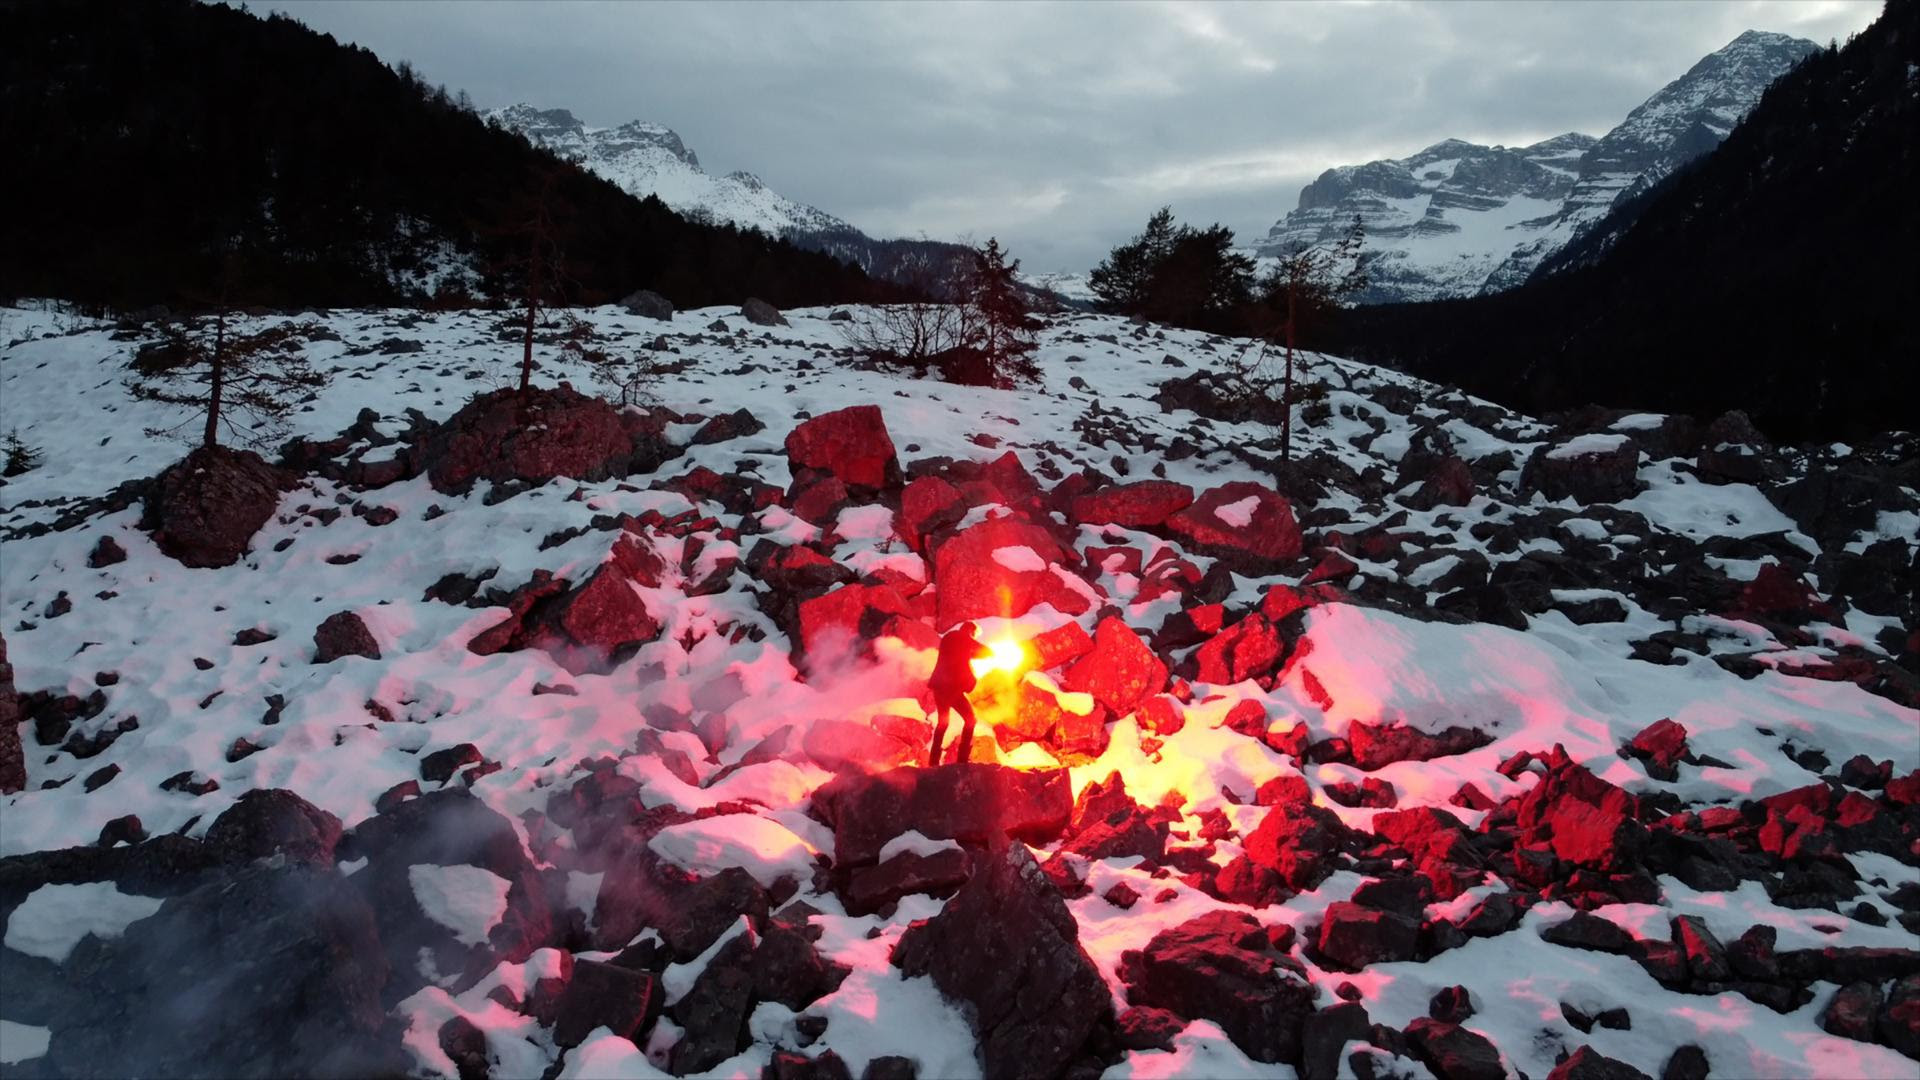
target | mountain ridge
[{"x": 1460, "y": 219}]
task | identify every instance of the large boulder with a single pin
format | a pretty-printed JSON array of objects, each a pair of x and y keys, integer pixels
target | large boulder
[
  {"x": 1245, "y": 523},
  {"x": 1219, "y": 967},
  {"x": 1587, "y": 469},
  {"x": 1002, "y": 568},
  {"x": 273, "y": 823},
  {"x": 439, "y": 840},
  {"x": 852, "y": 444},
  {"x": 1120, "y": 672},
  {"x": 969, "y": 802},
  {"x": 205, "y": 508},
  {"x": 649, "y": 304},
  {"x": 1007, "y": 948},
  {"x": 1139, "y": 505},
  {"x": 273, "y": 971},
  {"x": 760, "y": 313},
  {"x": 506, "y": 437}
]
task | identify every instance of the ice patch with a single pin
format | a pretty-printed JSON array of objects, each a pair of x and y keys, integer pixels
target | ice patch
[
  {"x": 468, "y": 900},
  {"x": 1239, "y": 513},
  {"x": 765, "y": 849},
  {"x": 916, "y": 843},
  {"x": 1020, "y": 559},
  {"x": 22, "y": 1042},
  {"x": 1586, "y": 446},
  {"x": 53, "y": 918}
]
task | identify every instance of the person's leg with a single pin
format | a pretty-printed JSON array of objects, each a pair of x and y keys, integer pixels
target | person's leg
[
  {"x": 965, "y": 709},
  {"x": 939, "y": 731}
]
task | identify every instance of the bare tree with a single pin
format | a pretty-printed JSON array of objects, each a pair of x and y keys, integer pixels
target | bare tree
[
  {"x": 245, "y": 382},
  {"x": 536, "y": 268},
  {"x": 1306, "y": 288},
  {"x": 972, "y": 321}
]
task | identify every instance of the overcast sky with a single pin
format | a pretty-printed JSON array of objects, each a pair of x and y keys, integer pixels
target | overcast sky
[{"x": 1060, "y": 127}]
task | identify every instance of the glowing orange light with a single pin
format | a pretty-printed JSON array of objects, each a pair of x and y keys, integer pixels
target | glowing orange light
[{"x": 1008, "y": 656}]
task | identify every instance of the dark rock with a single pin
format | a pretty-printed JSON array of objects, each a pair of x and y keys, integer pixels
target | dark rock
[
  {"x": 1143, "y": 1027},
  {"x": 463, "y": 1041},
  {"x": 510, "y": 439},
  {"x": 1861, "y": 771},
  {"x": 938, "y": 875},
  {"x": 271, "y": 821},
  {"x": 1326, "y": 1033},
  {"x": 714, "y": 1012},
  {"x": 1607, "y": 474},
  {"x": 1899, "y": 1019},
  {"x": 970, "y": 803},
  {"x": 1706, "y": 957},
  {"x": 272, "y": 971},
  {"x": 439, "y": 766},
  {"x": 1852, "y": 1010},
  {"x": 1007, "y": 948},
  {"x": 601, "y": 995},
  {"x": 648, "y": 304},
  {"x": 1453, "y": 1052},
  {"x": 1585, "y": 931},
  {"x": 1354, "y": 937},
  {"x": 205, "y": 509},
  {"x": 343, "y": 633},
  {"x": 1216, "y": 967},
  {"x": 106, "y": 553},
  {"x": 761, "y": 313},
  {"x": 737, "y": 424},
  {"x": 1376, "y": 746},
  {"x": 1587, "y": 1064},
  {"x": 1451, "y": 1005},
  {"x": 689, "y": 912},
  {"x": 1687, "y": 1063}
]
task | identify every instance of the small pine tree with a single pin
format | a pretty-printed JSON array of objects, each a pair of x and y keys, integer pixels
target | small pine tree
[
  {"x": 1123, "y": 281},
  {"x": 19, "y": 457},
  {"x": 1003, "y": 325}
]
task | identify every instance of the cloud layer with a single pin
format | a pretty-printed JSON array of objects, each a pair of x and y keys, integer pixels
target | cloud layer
[{"x": 1060, "y": 127}]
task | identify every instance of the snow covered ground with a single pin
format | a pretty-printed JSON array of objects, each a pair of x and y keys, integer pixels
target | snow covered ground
[{"x": 183, "y": 699}]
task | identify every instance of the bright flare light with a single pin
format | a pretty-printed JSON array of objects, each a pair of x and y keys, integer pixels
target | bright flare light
[{"x": 1008, "y": 655}]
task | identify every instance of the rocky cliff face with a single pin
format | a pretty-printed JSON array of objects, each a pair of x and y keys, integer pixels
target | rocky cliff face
[
  {"x": 650, "y": 159},
  {"x": 1458, "y": 218}
]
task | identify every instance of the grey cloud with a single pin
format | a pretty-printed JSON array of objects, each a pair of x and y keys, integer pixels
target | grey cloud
[{"x": 1060, "y": 127}]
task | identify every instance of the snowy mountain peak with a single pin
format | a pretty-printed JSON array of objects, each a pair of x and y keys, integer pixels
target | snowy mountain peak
[
  {"x": 645, "y": 158},
  {"x": 1458, "y": 218}
]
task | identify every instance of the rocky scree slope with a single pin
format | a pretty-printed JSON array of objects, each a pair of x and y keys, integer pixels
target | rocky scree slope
[{"x": 1468, "y": 744}]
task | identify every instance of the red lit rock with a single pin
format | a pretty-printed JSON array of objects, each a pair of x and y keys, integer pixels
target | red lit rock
[
  {"x": 1454, "y": 1052},
  {"x": 973, "y": 584},
  {"x": 1662, "y": 744},
  {"x": 1241, "y": 521},
  {"x": 848, "y": 618},
  {"x": 1120, "y": 671},
  {"x": 927, "y": 505},
  {"x": 1246, "y": 650},
  {"x": 1138, "y": 505},
  {"x": 1427, "y": 832},
  {"x": 1779, "y": 593},
  {"x": 850, "y": 443},
  {"x": 1299, "y": 842}
]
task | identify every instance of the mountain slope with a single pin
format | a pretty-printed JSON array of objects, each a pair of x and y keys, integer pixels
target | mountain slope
[
  {"x": 648, "y": 159},
  {"x": 144, "y": 137},
  {"x": 1458, "y": 218},
  {"x": 1775, "y": 275}
]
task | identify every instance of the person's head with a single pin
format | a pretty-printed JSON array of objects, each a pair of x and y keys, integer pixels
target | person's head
[{"x": 969, "y": 628}]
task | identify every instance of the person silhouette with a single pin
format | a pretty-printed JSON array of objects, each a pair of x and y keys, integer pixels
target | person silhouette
[{"x": 951, "y": 681}]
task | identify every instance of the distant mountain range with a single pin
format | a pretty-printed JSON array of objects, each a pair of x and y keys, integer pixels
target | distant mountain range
[
  {"x": 1774, "y": 274},
  {"x": 1460, "y": 219}
]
